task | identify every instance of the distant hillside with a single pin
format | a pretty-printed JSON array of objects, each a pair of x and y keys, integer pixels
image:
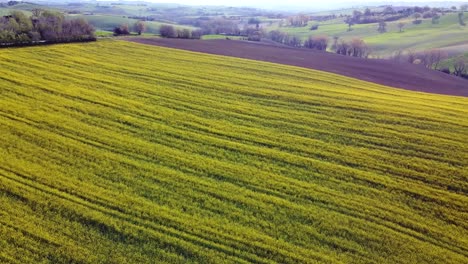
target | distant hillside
[{"x": 447, "y": 32}]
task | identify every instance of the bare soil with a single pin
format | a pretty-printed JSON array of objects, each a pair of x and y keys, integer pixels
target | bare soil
[{"x": 385, "y": 72}]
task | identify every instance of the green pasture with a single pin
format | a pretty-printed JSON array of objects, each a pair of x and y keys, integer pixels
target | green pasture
[
  {"x": 109, "y": 22},
  {"x": 415, "y": 37}
]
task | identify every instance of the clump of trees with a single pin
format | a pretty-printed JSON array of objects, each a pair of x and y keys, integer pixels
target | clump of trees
[
  {"x": 430, "y": 59},
  {"x": 169, "y": 31},
  {"x": 253, "y": 33},
  {"x": 358, "y": 17},
  {"x": 322, "y": 18},
  {"x": 285, "y": 38},
  {"x": 121, "y": 30},
  {"x": 460, "y": 68},
  {"x": 139, "y": 27},
  {"x": 295, "y": 41},
  {"x": 220, "y": 26},
  {"x": 298, "y": 21},
  {"x": 278, "y": 36},
  {"x": 355, "y": 48},
  {"x": 254, "y": 21},
  {"x": 43, "y": 27},
  {"x": 317, "y": 42},
  {"x": 255, "y": 36},
  {"x": 390, "y": 14}
]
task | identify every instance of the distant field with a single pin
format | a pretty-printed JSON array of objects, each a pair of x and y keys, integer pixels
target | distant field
[
  {"x": 418, "y": 37},
  {"x": 116, "y": 152},
  {"x": 215, "y": 36},
  {"x": 7, "y": 11},
  {"x": 108, "y": 8},
  {"x": 385, "y": 72},
  {"x": 109, "y": 22},
  {"x": 104, "y": 21}
]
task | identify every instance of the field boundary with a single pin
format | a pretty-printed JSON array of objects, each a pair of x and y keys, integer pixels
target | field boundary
[{"x": 411, "y": 77}]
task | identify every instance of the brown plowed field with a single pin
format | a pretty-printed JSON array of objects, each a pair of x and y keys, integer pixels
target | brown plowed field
[{"x": 390, "y": 73}]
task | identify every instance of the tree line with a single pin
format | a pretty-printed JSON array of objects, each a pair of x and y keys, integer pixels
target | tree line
[
  {"x": 169, "y": 31},
  {"x": 432, "y": 59},
  {"x": 124, "y": 29},
  {"x": 355, "y": 47},
  {"x": 391, "y": 14},
  {"x": 43, "y": 26}
]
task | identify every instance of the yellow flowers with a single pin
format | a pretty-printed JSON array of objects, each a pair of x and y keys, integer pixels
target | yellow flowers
[{"x": 126, "y": 153}]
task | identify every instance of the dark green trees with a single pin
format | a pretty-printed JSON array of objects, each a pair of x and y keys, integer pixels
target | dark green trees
[{"x": 42, "y": 26}]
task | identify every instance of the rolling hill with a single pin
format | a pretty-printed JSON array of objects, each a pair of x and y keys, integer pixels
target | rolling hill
[
  {"x": 109, "y": 22},
  {"x": 117, "y": 152},
  {"x": 424, "y": 36},
  {"x": 386, "y": 72}
]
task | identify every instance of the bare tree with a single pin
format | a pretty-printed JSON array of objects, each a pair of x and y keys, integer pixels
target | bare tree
[
  {"x": 417, "y": 16},
  {"x": 401, "y": 25},
  {"x": 335, "y": 42},
  {"x": 140, "y": 27},
  {"x": 36, "y": 12},
  {"x": 367, "y": 12},
  {"x": 459, "y": 68},
  {"x": 398, "y": 56},
  {"x": 435, "y": 56},
  {"x": 382, "y": 27},
  {"x": 389, "y": 10},
  {"x": 461, "y": 19},
  {"x": 411, "y": 56},
  {"x": 350, "y": 21}
]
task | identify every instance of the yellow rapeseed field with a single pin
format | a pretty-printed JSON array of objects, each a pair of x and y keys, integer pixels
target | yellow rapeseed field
[{"x": 116, "y": 152}]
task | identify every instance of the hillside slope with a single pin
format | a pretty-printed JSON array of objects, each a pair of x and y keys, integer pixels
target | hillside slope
[
  {"x": 417, "y": 37},
  {"x": 390, "y": 73},
  {"x": 116, "y": 152}
]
